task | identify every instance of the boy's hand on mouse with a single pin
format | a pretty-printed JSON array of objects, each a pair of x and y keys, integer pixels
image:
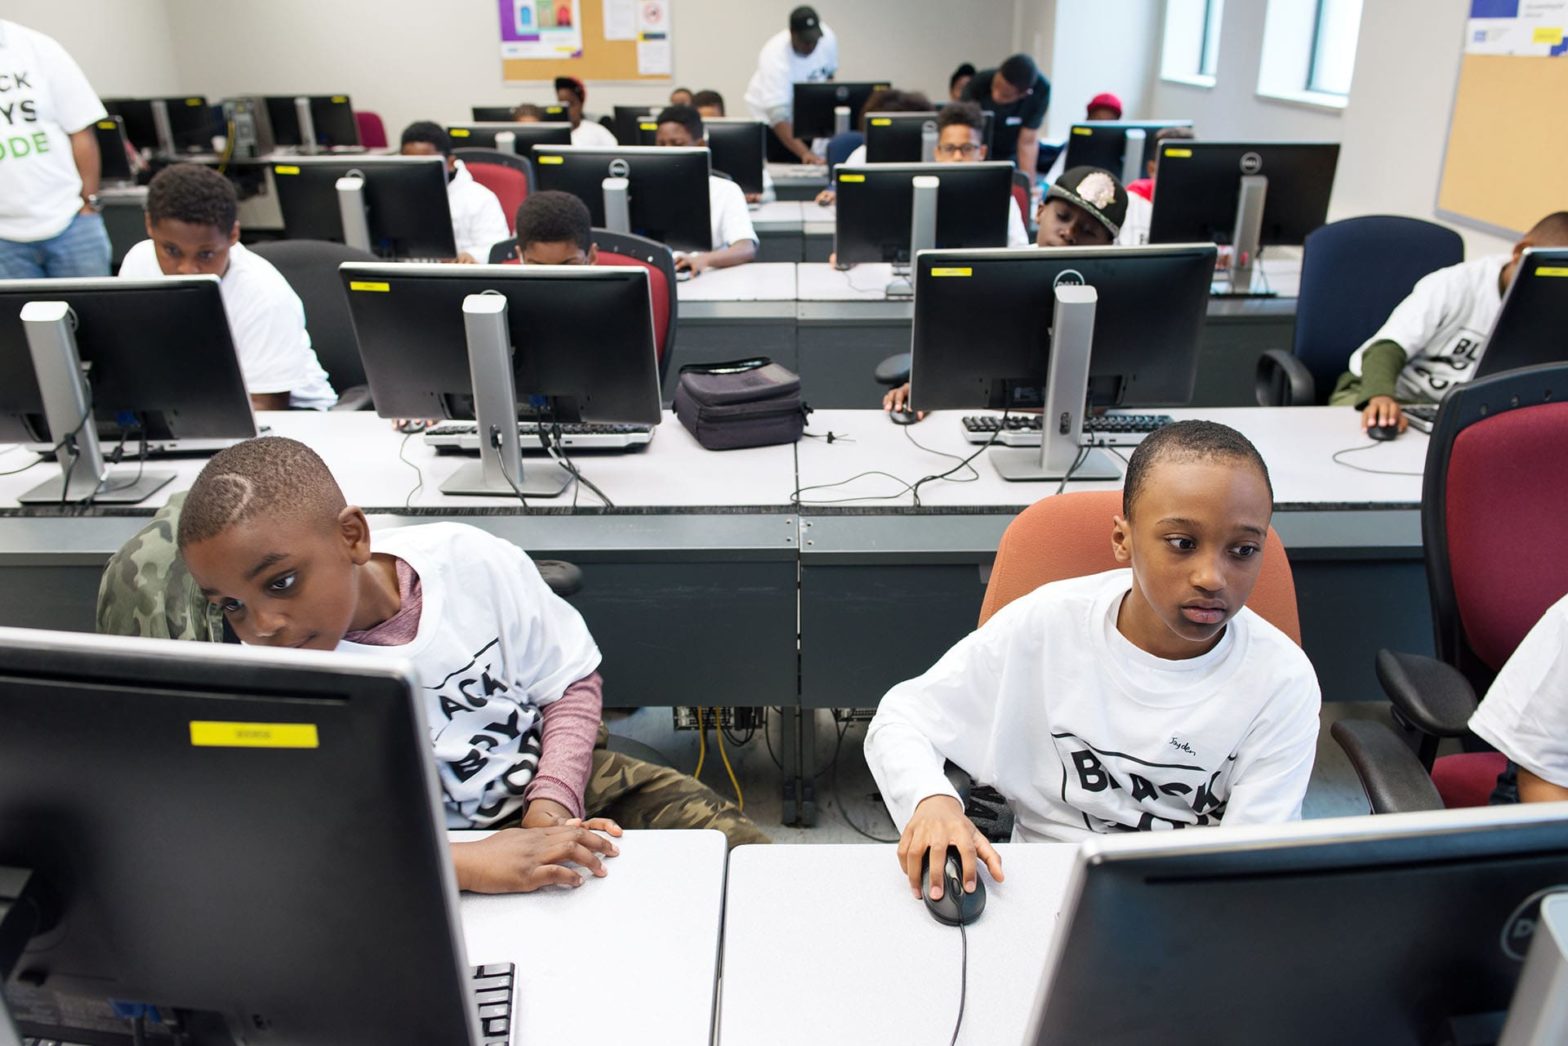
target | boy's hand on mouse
[
  {"x": 1383, "y": 410},
  {"x": 693, "y": 263},
  {"x": 898, "y": 400},
  {"x": 937, "y": 823},
  {"x": 521, "y": 860},
  {"x": 826, "y": 197},
  {"x": 547, "y": 813}
]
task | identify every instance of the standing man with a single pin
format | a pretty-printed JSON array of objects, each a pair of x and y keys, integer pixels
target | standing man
[
  {"x": 1018, "y": 95},
  {"x": 49, "y": 165},
  {"x": 807, "y": 52}
]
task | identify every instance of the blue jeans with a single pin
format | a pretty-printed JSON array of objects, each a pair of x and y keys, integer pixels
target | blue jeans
[{"x": 81, "y": 250}]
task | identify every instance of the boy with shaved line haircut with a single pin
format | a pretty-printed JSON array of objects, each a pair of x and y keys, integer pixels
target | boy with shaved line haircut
[
  {"x": 1145, "y": 698},
  {"x": 508, "y": 671}
]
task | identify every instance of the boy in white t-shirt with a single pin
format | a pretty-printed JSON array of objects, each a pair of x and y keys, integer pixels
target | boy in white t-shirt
[
  {"x": 193, "y": 229},
  {"x": 1141, "y": 699},
  {"x": 478, "y": 222},
  {"x": 734, "y": 239},
  {"x": 1525, "y": 714},
  {"x": 508, "y": 669},
  {"x": 1433, "y": 339}
]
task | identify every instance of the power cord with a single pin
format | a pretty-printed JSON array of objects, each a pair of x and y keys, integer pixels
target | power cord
[
  {"x": 1362, "y": 468},
  {"x": 838, "y": 799},
  {"x": 912, "y": 489},
  {"x": 1083, "y": 455},
  {"x": 419, "y": 473},
  {"x": 702, "y": 754}
]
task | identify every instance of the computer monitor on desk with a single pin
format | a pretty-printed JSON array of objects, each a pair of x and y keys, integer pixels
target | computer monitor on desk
[
  {"x": 1063, "y": 330},
  {"x": 551, "y": 113},
  {"x": 1122, "y": 146},
  {"x": 272, "y": 866},
  {"x": 739, "y": 149},
  {"x": 1401, "y": 928},
  {"x": 1247, "y": 194},
  {"x": 312, "y": 122},
  {"x": 115, "y": 165},
  {"x": 395, "y": 206},
  {"x": 828, "y": 107},
  {"x": 509, "y": 137},
  {"x": 166, "y": 126},
  {"x": 909, "y": 137},
  {"x": 149, "y": 359},
  {"x": 1529, "y": 328},
  {"x": 499, "y": 342},
  {"x": 660, "y": 193}
]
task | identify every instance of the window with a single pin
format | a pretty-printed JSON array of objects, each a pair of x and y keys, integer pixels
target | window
[
  {"x": 1309, "y": 51},
  {"x": 1335, "y": 30},
  {"x": 1191, "y": 48}
]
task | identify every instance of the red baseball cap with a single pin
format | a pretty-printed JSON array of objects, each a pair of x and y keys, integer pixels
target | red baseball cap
[{"x": 1106, "y": 100}]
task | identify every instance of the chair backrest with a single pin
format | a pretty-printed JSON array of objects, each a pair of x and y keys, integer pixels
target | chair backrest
[
  {"x": 1069, "y": 535},
  {"x": 372, "y": 132},
  {"x": 509, "y": 177},
  {"x": 1494, "y": 515},
  {"x": 311, "y": 267},
  {"x": 841, "y": 145},
  {"x": 626, "y": 249},
  {"x": 1022, "y": 194},
  {"x": 1353, "y": 273}
]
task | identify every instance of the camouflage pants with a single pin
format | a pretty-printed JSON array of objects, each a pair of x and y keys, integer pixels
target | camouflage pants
[{"x": 638, "y": 794}]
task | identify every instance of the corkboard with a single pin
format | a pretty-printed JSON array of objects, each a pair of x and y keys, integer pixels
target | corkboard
[{"x": 601, "y": 59}]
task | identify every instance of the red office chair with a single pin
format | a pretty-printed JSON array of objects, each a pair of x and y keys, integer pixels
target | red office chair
[
  {"x": 1495, "y": 471},
  {"x": 372, "y": 132},
  {"x": 509, "y": 176}
]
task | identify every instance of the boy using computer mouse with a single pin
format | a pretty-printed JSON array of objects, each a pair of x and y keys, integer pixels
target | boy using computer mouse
[
  {"x": 1145, "y": 698},
  {"x": 734, "y": 239}
]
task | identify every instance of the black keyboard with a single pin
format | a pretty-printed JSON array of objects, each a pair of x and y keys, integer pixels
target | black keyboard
[
  {"x": 1422, "y": 417},
  {"x": 464, "y": 436},
  {"x": 495, "y": 990},
  {"x": 1023, "y": 430}
]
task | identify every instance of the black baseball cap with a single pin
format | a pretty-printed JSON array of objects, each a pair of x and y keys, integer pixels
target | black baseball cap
[{"x": 804, "y": 20}]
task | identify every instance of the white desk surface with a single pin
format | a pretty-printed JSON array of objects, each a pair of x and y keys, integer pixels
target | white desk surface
[
  {"x": 824, "y": 944},
  {"x": 1297, "y": 443},
  {"x": 361, "y": 449},
  {"x": 757, "y": 281},
  {"x": 631, "y": 957},
  {"x": 777, "y": 216},
  {"x": 798, "y": 172},
  {"x": 819, "y": 281}
]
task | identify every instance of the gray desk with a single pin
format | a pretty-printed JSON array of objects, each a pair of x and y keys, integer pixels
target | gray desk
[
  {"x": 797, "y": 181},
  {"x": 778, "y": 226}
]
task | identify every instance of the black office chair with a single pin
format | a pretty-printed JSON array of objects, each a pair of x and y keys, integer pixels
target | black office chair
[{"x": 311, "y": 267}]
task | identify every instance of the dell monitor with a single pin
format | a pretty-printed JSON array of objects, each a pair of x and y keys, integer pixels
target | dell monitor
[
  {"x": 908, "y": 137},
  {"x": 311, "y": 122},
  {"x": 551, "y": 113},
  {"x": 1400, "y": 928},
  {"x": 628, "y": 120},
  {"x": 493, "y": 342},
  {"x": 115, "y": 165},
  {"x": 1105, "y": 144},
  {"x": 509, "y": 137},
  {"x": 1247, "y": 194},
  {"x": 264, "y": 861},
  {"x": 151, "y": 359},
  {"x": 395, "y": 206},
  {"x": 1065, "y": 329},
  {"x": 739, "y": 149},
  {"x": 1528, "y": 330},
  {"x": 660, "y": 193},
  {"x": 166, "y": 126},
  {"x": 825, "y": 108}
]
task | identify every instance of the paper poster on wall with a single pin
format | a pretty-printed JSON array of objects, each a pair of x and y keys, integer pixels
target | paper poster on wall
[
  {"x": 1520, "y": 28},
  {"x": 541, "y": 29},
  {"x": 620, "y": 19},
  {"x": 654, "y": 57}
]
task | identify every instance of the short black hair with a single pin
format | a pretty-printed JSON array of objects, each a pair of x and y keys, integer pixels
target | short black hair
[
  {"x": 686, "y": 116},
  {"x": 713, "y": 98},
  {"x": 429, "y": 132},
  {"x": 554, "y": 217},
  {"x": 961, "y": 114},
  {"x": 680, "y": 90},
  {"x": 892, "y": 100},
  {"x": 1551, "y": 231},
  {"x": 1191, "y": 440},
  {"x": 528, "y": 110},
  {"x": 962, "y": 71},
  {"x": 271, "y": 477},
  {"x": 1019, "y": 70},
  {"x": 188, "y": 192},
  {"x": 574, "y": 85}
]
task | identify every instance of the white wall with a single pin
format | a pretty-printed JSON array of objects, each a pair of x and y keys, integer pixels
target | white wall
[
  {"x": 123, "y": 46},
  {"x": 1101, "y": 45}
]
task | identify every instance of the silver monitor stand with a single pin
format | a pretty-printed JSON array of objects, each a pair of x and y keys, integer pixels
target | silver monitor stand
[
  {"x": 353, "y": 212},
  {"x": 840, "y": 119},
  {"x": 928, "y": 137},
  {"x": 617, "y": 204},
  {"x": 307, "y": 126},
  {"x": 1248, "y": 231},
  {"x": 162, "y": 129},
  {"x": 1538, "y": 1015},
  {"x": 506, "y": 142},
  {"x": 1132, "y": 157},
  {"x": 922, "y": 233}
]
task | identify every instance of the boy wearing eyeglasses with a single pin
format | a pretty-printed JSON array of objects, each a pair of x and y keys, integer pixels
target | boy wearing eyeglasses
[{"x": 960, "y": 138}]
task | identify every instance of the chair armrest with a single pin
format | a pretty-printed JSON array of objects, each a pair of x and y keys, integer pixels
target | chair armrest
[
  {"x": 894, "y": 370},
  {"x": 565, "y": 579},
  {"x": 1391, "y": 775},
  {"x": 1283, "y": 381},
  {"x": 356, "y": 398},
  {"x": 959, "y": 778},
  {"x": 1431, "y": 695}
]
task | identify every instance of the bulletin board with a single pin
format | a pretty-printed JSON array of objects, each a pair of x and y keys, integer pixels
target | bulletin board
[
  {"x": 1503, "y": 166},
  {"x": 618, "y": 40}
]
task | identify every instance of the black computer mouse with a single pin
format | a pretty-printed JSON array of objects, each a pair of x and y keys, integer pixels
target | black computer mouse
[
  {"x": 955, "y": 908},
  {"x": 903, "y": 417},
  {"x": 1383, "y": 432}
]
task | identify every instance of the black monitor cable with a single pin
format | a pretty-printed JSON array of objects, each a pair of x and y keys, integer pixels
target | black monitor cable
[{"x": 963, "y": 983}]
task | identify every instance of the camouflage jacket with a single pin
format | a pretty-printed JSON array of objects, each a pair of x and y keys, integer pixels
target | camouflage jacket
[{"x": 146, "y": 590}]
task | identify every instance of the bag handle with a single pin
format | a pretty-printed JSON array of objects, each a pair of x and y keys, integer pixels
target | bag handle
[{"x": 728, "y": 366}]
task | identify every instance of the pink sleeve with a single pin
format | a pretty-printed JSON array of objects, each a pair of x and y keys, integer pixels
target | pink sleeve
[{"x": 570, "y": 727}]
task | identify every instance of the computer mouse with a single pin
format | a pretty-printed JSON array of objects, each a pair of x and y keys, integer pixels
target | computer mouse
[
  {"x": 1383, "y": 432},
  {"x": 955, "y": 907},
  {"x": 682, "y": 275},
  {"x": 903, "y": 417}
]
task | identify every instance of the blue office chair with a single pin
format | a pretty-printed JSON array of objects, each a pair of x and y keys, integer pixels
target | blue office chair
[
  {"x": 841, "y": 145},
  {"x": 1353, "y": 273}
]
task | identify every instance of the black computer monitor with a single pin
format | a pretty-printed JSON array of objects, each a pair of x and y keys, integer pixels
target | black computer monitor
[
  {"x": 575, "y": 343},
  {"x": 1200, "y": 187},
  {"x": 739, "y": 149},
  {"x": 160, "y": 367},
  {"x": 1137, "y": 346},
  {"x": 1404, "y": 928},
  {"x": 628, "y": 120},
  {"x": 1103, "y": 143},
  {"x": 875, "y": 207},
  {"x": 192, "y": 125},
  {"x": 270, "y": 866},
  {"x": 405, "y": 203},
  {"x": 331, "y": 114},
  {"x": 1529, "y": 329},
  {"x": 552, "y": 113},
  {"x": 900, "y": 137},
  {"x": 668, "y": 191},
  {"x": 115, "y": 165},
  {"x": 524, "y": 135},
  {"x": 813, "y": 114}
]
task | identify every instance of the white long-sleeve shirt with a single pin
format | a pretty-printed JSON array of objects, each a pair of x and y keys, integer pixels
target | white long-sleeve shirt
[{"x": 1082, "y": 731}]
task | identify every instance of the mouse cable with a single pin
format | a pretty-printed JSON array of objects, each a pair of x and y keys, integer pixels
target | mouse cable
[
  {"x": 963, "y": 983},
  {"x": 963, "y": 463},
  {"x": 1335, "y": 457},
  {"x": 419, "y": 473}
]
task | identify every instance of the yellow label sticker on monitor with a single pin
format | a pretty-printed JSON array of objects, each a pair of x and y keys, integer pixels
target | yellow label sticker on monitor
[
  {"x": 965, "y": 271},
  {"x": 1552, "y": 270},
  {"x": 368, "y": 285},
  {"x": 1547, "y": 35},
  {"x": 648, "y": 126},
  {"x": 206, "y": 734},
  {"x": 340, "y": 99},
  {"x": 106, "y": 125},
  {"x": 1083, "y": 130},
  {"x": 458, "y": 132},
  {"x": 1177, "y": 154},
  {"x": 851, "y": 177},
  {"x": 555, "y": 109},
  {"x": 548, "y": 159},
  {"x": 195, "y": 103},
  {"x": 881, "y": 121},
  {"x": 285, "y": 168}
]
